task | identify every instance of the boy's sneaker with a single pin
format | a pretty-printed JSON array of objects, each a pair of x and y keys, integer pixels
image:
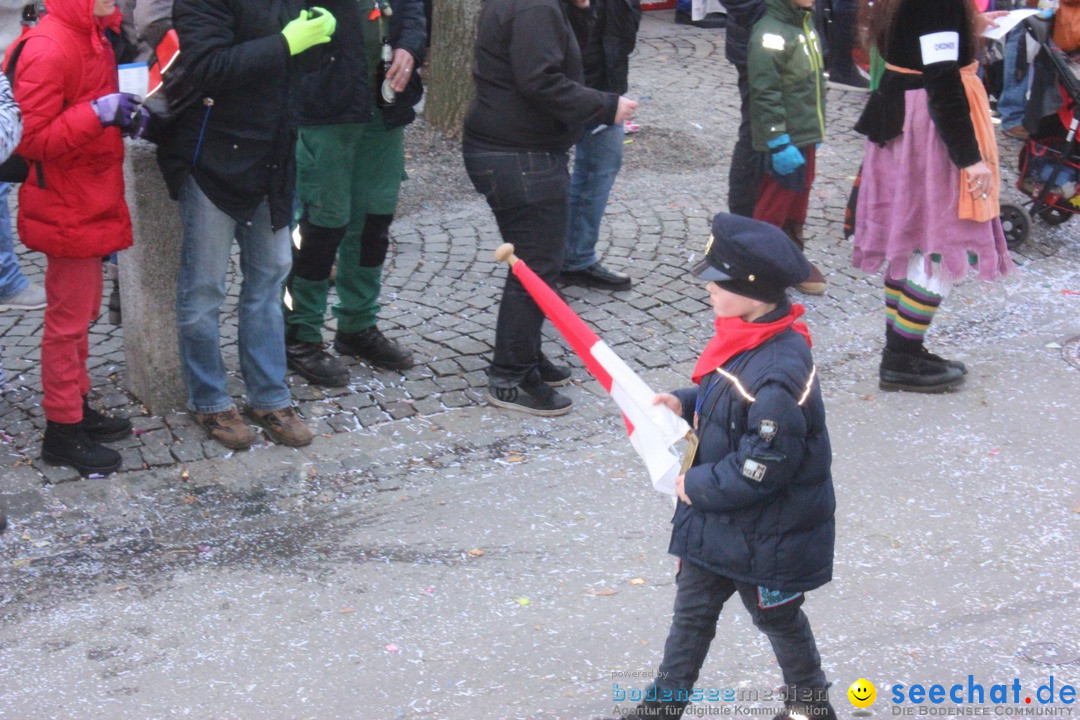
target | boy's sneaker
[
  {"x": 69, "y": 444},
  {"x": 102, "y": 427},
  {"x": 283, "y": 426},
  {"x": 554, "y": 375},
  {"x": 531, "y": 395},
  {"x": 916, "y": 372},
  {"x": 371, "y": 345},
  {"x": 227, "y": 427},
  {"x": 32, "y": 297},
  {"x": 813, "y": 285},
  {"x": 311, "y": 361}
]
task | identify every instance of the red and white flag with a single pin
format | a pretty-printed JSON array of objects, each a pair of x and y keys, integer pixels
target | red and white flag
[{"x": 653, "y": 429}]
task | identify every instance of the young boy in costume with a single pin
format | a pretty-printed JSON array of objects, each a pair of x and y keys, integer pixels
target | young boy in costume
[{"x": 755, "y": 511}]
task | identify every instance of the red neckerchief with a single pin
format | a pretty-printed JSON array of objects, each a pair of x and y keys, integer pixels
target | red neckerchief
[{"x": 734, "y": 335}]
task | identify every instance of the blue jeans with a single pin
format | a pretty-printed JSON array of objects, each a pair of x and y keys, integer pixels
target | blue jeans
[
  {"x": 700, "y": 597},
  {"x": 204, "y": 264},
  {"x": 527, "y": 192},
  {"x": 1013, "y": 100},
  {"x": 12, "y": 280},
  {"x": 597, "y": 160}
]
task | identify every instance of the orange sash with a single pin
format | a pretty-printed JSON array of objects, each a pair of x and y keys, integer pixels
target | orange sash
[{"x": 975, "y": 207}]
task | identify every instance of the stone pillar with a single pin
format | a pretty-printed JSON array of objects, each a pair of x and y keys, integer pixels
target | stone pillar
[{"x": 148, "y": 285}]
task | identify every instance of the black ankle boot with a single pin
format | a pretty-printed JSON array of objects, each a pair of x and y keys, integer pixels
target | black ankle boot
[
  {"x": 69, "y": 444},
  {"x": 311, "y": 361},
  {"x": 102, "y": 427},
  {"x": 371, "y": 345},
  {"x": 916, "y": 372}
]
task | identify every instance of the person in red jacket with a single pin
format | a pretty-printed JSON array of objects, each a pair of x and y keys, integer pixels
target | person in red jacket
[{"x": 72, "y": 208}]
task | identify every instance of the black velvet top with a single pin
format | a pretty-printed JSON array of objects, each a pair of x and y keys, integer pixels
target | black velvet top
[{"x": 932, "y": 37}]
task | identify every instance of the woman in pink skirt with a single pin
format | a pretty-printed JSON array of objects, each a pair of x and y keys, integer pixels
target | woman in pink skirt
[{"x": 928, "y": 202}]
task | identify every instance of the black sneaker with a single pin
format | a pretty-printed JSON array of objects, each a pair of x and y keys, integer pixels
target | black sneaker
[
  {"x": 531, "y": 395},
  {"x": 373, "y": 346},
  {"x": 916, "y": 373},
  {"x": 311, "y": 361},
  {"x": 554, "y": 375},
  {"x": 938, "y": 359},
  {"x": 847, "y": 79},
  {"x": 102, "y": 427},
  {"x": 809, "y": 704},
  {"x": 597, "y": 276},
  {"x": 69, "y": 444}
]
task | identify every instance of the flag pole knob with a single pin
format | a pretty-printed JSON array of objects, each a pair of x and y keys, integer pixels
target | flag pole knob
[{"x": 505, "y": 253}]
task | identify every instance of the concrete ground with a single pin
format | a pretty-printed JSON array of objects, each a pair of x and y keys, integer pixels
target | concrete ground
[{"x": 432, "y": 557}]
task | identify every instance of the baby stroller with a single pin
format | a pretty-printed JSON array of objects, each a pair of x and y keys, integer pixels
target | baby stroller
[{"x": 1049, "y": 163}]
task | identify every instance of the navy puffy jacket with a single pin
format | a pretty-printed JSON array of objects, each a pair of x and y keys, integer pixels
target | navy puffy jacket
[{"x": 761, "y": 487}]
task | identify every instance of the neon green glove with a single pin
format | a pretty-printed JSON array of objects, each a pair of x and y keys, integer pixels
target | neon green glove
[{"x": 310, "y": 28}]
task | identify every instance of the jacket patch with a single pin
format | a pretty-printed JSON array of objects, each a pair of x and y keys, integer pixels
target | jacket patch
[
  {"x": 940, "y": 47},
  {"x": 767, "y": 430},
  {"x": 772, "y": 41},
  {"x": 753, "y": 469}
]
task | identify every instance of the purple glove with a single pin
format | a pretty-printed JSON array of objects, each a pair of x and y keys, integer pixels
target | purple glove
[
  {"x": 140, "y": 121},
  {"x": 116, "y": 109}
]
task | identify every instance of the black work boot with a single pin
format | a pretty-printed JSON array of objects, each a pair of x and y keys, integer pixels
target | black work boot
[
  {"x": 916, "y": 372},
  {"x": 531, "y": 395},
  {"x": 69, "y": 444},
  {"x": 373, "y": 346},
  {"x": 311, "y": 361},
  {"x": 101, "y": 427},
  {"x": 943, "y": 361}
]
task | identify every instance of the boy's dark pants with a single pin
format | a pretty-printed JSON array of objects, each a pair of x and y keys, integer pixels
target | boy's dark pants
[{"x": 700, "y": 597}]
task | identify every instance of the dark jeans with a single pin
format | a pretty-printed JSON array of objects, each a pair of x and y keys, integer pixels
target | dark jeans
[
  {"x": 527, "y": 191},
  {"x": 746, "y": 170},
  {"x": 700, "y": 598}
]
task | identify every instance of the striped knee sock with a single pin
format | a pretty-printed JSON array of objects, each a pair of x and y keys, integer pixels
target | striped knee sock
[{"x": 909, "y": 311}]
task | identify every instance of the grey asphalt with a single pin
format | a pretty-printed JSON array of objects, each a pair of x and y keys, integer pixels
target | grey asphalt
[{"x": 451, "y": 560}]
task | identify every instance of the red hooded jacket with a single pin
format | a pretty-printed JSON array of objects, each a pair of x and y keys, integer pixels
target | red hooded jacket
[{"x": 79, "y": 209}]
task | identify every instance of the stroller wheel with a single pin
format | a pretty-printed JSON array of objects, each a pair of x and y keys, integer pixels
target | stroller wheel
[
  {"x": 1055, "y": 216},
  {"x": 1016, "y": 224}
]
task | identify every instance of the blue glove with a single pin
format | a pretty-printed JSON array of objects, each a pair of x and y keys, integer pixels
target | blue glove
[
  {"x": 116, "y": 109},
  {"x": 787, "y": 160}
]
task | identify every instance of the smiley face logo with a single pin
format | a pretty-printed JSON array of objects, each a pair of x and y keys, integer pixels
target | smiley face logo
[{"x": 862, "y": 693}]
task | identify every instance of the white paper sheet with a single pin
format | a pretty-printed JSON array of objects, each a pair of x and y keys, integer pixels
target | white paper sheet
[
  {"x": 134, "y": 78},
  {"x": 1007, "y": 23}
]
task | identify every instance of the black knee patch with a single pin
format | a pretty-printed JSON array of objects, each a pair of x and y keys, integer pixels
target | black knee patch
[
  {"x": 375, "y": 240},
  {"x": 318, "y": 248}
]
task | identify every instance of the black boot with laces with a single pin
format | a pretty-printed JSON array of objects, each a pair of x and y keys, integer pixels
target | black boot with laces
[
  {"x": 69, "y": 444},
  {"x": 102, "y": 427}
]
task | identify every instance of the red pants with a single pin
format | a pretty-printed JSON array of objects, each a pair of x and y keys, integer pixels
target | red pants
[
  {"x": 73, "y": 292},
  {"x": 781, "y": 207}
]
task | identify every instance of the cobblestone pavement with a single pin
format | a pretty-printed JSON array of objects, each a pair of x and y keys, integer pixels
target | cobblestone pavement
[{"x": 442, "y": 286}]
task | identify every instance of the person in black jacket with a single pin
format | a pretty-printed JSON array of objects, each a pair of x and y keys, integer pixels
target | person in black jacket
[
  {"x": 747, "y": 166},
  {"x": 755, "y": 510},
  {"x": 531, "y": 105},
  {"x": 350, "y": 162},
  {"x": 230, "y": 161},
  {"x": 598, "y": 155}
]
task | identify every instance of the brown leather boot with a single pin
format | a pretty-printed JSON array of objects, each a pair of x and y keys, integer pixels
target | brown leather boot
[
  {"x": 815, "y": 284},
  {"x": 227, "y": 427},
  {"x": 284, "y": 426}
]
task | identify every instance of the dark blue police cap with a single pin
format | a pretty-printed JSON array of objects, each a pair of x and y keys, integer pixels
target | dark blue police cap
[{"x": 751, "y": 258}]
